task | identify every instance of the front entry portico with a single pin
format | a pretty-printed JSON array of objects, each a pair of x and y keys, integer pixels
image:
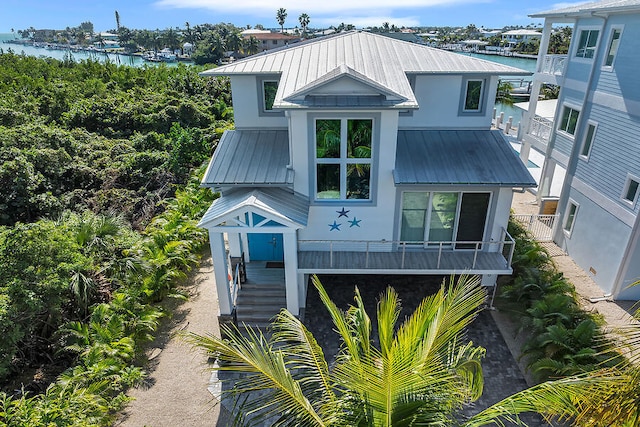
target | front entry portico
[{"x": 262, "y": 225}]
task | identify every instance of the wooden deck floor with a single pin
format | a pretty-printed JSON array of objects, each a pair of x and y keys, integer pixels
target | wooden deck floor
[
  {"x": 419, "y": 262},
  {"x": 257, "y": 272}
]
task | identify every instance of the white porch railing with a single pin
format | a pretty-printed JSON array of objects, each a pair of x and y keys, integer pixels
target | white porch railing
[
  {"x": 235, "y": 282},
  {"x": 366, "y": 248},
  {"x": 542, "y": 227},
  {"x": 554, "y": 64},
  {"x": 540, "y": 128}
]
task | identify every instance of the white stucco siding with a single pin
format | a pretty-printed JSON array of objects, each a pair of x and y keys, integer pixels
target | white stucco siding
[
  {"x": 440, "y": 98},
  {"x": 597, "y": 241},
  {"x": 632, "y": 275},
  {"x": 246, "y": 105},
  {"x": 300, "y": 146},
  {"x": 500, "y": 218}
]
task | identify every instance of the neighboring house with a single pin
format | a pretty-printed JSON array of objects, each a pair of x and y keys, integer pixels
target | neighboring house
[
  {"x": 269, "y": 40},
  {"x": 490, "y": 33},
  {"x": 361, "y": 154},
  {"x": 591, "y": 141},
  {"x": 514, "y": 37}
]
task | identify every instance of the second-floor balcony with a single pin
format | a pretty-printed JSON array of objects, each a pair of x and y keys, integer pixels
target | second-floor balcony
[
  {"x": 540, "y": 128},
  {"x": 400, "y": 257},
  {"x": 554, "y": 64}
]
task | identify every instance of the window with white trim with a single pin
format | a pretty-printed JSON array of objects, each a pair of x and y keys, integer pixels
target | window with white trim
[
  {"x": 612, "y": 47},
  {"x": 585, "y": 151},
  {"x": 587, "y": 44},
  {"x": 570, "y": 217},
  {"x": 630, "y": 193},
  {"x": 569, "y": 120},
  {"x": 473, "y": 95},
  {"x": 267, "y": 88},
  {"x": 343, "y": 159}
]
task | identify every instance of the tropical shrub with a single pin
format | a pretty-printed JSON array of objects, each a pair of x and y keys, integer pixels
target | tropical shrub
[
  {"x": 102, "y": 319},
  {"x": 562, "y": 339}
]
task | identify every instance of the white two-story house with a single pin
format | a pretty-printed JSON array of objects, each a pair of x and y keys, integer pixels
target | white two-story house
[
  {"x": 591, "y": 139},
  {"x": 361, "y": 154}
]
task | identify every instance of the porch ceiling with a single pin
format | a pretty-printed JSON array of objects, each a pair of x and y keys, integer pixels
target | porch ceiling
[{"x": 462, "y": 157}]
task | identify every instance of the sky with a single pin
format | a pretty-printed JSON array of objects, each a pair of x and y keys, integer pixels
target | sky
[{"x": 162, "y": 14}]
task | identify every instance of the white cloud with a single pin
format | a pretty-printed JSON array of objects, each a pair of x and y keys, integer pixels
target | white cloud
[
  {"x": 368, "y": 21},
  {"x": 562, "y": 5},
  {"x": 325, "y": 7}
]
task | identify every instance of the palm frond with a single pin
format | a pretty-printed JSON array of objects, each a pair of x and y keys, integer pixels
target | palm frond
[{"x": 265, "y": 368}]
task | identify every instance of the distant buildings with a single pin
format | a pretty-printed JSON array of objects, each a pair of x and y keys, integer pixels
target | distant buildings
[
  {"x": 269, "y": 40},
  {"x": 514, "y": 37}
]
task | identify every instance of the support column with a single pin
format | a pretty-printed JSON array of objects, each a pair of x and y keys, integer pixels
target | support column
[
  {"x": 546, "y": 179},
  {"x": 235, "y": 246},
  {"x": 290, "y": 246},
  {"x": 219, "y": 255}
]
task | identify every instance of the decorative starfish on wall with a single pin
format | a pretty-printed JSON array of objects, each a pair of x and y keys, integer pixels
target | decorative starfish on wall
[
  {"x": 342, "y": 213},
  {"x": 354, "y": 222},
  {"x": 334, "y": 226}
]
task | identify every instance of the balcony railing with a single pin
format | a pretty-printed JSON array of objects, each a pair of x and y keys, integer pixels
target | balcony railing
[
  {"x": 402, "y": 255},
  {"x": 554, "y": 64},
  {"x": 540, "y": 128}
]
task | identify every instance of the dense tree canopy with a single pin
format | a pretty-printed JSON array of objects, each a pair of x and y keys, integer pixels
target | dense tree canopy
[
  {"x": 101, "y": 136},
  {"x": 98, "y": 207}
]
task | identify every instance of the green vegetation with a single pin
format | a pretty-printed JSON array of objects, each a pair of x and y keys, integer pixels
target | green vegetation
[
  {"x": 562, "y": 339},
  {"x": 101, "y": 137},
  {"x": 421, "y": 372},
  {"x": 99, "y": 198}
]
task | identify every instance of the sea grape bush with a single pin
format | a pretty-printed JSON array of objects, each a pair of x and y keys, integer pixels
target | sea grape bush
[
  {"x": 99, "y": 201},
  {"x": 102, "y": 137}
]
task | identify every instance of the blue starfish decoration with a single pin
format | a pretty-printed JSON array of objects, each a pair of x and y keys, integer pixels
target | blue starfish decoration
[
  {"x": 354, "y": 222},
  {"x": 343, "y": 213},
  {"x": 334, "y": 226}
]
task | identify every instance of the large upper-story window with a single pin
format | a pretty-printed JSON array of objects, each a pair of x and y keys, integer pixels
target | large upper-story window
[
  {"x": 569, "y": 120},
  {"x": 587, "y": 43},
  {"x": 343, "y": 159}
]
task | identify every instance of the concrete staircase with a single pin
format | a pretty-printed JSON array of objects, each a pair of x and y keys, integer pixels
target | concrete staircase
[{"x": 256, "y": 303}]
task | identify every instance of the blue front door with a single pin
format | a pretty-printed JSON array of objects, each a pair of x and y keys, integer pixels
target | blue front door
[{"x": 265, "y": 247}]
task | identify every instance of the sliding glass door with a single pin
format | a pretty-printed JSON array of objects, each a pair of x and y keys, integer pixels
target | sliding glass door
[{"x": 444, "y": 217}]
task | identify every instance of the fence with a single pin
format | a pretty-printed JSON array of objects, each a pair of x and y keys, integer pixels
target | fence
[{"x": 542, "y": 227}]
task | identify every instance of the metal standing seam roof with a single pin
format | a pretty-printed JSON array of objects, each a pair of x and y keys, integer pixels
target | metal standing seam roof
[
  {"x": 462, "y": 157},
  {"x": 383, "y": 60},
  {"x": 250, "y": 157},
  {"x": 606, "y": 6},
  {"x": 287, "y": 207}
]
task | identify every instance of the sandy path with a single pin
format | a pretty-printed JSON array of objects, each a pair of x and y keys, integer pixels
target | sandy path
[{"x": 177, "y": 394}]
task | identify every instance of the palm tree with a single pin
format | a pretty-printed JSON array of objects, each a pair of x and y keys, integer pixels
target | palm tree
[
  {"x": 304, "y": 22},
  {"x": 251, "y": 45},
  {"x": 117, "y": 21},
  {"x": 281, "y": 15},
  {"x": 421, "y": 372}
]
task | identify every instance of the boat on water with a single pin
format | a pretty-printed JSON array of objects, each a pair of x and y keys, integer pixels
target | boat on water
[{"x": 165, "y": 55}]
